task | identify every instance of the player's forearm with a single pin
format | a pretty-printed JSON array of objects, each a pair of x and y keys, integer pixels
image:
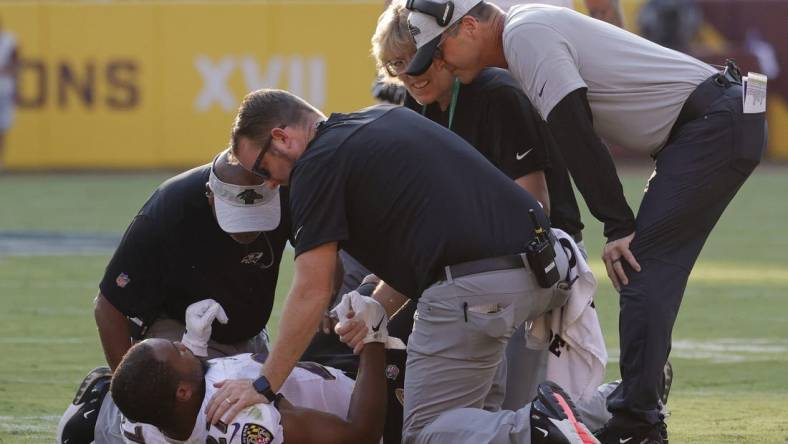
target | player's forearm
[
  {"x": 391, "y": 300},
  {"x": 113, "y": 331},
  {"x": 367, "y": 411},
  {"x": 366, "y": 414}
]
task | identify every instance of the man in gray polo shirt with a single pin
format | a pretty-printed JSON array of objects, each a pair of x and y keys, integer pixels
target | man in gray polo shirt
[{"x": 592, "y": 81}]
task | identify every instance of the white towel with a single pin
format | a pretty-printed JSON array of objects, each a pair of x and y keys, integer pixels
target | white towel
[{"x": 573, "y": 334}]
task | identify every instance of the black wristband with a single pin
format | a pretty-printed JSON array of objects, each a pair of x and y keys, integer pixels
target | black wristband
[
  {"x": 277, "y": 399},
  {"x": 263, "y": 387}
]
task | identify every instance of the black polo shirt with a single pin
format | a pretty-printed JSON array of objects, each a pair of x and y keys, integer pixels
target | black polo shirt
[
  {"x": 405, "y": 197},
  {"x": 495, "y": 116},
  {"x": 174, "y": 254}
]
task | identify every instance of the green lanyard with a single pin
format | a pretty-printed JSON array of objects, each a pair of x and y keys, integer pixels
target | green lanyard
[{"x": 455, "y": 92}]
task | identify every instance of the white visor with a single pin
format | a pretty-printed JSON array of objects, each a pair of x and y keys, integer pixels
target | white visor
[{"x": 243, "y": 209}]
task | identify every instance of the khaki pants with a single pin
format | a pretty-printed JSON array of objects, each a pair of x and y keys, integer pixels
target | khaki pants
[{"x": 459, "y": 336}]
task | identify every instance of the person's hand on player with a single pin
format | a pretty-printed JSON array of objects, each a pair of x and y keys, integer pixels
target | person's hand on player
[
  {"x": 233, "y": 396},
  {"x": 612, "y": 255}
]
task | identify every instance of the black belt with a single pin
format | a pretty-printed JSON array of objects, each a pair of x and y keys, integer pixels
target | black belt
[
  {"x": 510, "y": 262},
  {"x": 704, "y": 95}
]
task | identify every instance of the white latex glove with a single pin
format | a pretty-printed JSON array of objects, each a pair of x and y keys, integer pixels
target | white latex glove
[
  {"x": 371, "y": 313},
  {"x": 199, "y": 317}
]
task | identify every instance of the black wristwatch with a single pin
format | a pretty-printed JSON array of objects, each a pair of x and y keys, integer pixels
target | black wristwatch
[{"x": 263, "y": 387}]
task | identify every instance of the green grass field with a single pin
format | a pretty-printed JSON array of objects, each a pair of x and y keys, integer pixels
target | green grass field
[{"x": 730, "y": 351}]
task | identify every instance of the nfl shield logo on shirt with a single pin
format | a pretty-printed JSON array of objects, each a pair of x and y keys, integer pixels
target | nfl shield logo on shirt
[{"x": 122, "y": 280}]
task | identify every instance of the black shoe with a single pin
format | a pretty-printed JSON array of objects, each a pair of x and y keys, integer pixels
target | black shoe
[
  {"x": 555, "y": 420},
  {"x": 663, "y": 430},
  {"x": 79, "y": 420},
  {"x": 648, "y": 434}
]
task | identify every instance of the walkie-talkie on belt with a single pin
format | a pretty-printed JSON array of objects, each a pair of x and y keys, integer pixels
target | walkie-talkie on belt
[{"x": 541, "y": 255}]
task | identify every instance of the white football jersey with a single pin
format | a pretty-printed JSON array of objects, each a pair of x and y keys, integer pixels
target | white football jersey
[{"x": 309, "y": 385}]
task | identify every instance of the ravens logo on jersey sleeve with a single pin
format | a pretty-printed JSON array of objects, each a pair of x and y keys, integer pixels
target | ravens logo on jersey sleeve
[{"x": 256, "y": 434}]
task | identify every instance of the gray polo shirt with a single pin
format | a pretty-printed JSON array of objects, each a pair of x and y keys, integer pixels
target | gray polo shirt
[{"x": 635, "y": 87}]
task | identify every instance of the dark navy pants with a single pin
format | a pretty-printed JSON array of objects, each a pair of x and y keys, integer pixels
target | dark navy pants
[{"x": 696, "y": 176}]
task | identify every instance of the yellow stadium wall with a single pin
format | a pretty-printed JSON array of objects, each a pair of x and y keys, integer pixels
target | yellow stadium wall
[
  {"x": 129, "y": 84},
  {"x": 136, "y": 85}
]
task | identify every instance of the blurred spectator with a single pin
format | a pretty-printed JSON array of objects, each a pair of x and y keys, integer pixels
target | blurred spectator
[
  {"x": 605, "y": 10},
  {"x": 9, "y": 63},
  {"x": 764, "y": 52},
  {"x": 506, "y": 4},
  {"x": 670, "y": 23}
]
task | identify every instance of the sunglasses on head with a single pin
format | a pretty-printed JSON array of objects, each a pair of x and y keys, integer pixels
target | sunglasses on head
[{"x": 442, "y": 12}]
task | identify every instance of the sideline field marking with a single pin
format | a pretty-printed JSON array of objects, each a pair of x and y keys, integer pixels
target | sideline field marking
[
  {"x": 25, "y": 423},
  {"x": 718, "y": 272},
  {"x": 42, "y": 243},
  {"x": 47, "y": 243},
  {"x": 725, "y": 350},
  {"x": 30, "y": 417},
  {"x": 45, "y": 285},
  {"x": 45, "y": 340}
]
